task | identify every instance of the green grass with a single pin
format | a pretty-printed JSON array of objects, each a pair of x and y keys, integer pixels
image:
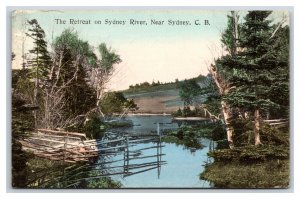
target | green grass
[
  {"x": 270, "y": 174},
  {"x": 249, "y": 166}
]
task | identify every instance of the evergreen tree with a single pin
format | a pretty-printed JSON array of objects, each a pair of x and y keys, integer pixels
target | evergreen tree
[
  {"x": 40, "y": 61},
  {"x": 254, "y": 69},
  {"x": 230, "y": 36},
  {"x": 279, "y": 86}
]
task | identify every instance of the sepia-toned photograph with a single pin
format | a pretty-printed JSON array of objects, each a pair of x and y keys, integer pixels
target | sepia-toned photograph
[{"x": 160, "y": 98}]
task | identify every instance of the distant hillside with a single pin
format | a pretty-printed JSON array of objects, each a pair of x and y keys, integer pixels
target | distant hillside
[
  {"x": 160, "y": 101},
  {"x": 158, "y": 98}
]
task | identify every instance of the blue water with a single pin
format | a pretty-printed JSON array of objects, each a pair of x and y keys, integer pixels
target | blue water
[
  {"x": 148, "y": 123},
  {"x": 181, "y": 171},
  {"x": 182, "y": 168}
]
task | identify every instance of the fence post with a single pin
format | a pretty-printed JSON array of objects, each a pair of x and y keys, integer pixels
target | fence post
[{"x": 127, "y": 154}]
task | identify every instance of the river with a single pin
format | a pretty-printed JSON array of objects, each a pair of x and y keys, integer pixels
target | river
[{"x": 172, "y": 165}]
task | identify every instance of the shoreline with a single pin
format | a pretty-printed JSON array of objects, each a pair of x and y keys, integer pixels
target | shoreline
[
  {"x": 166, "y": 114},
  {"x": 191, "y": 118}
]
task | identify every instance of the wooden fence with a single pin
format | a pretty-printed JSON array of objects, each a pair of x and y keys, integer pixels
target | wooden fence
[{"x": 74, "y": 147}]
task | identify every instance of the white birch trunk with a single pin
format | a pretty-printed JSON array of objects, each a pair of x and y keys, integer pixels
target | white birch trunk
[
  {"x": 256, "y": 127},
  {"x": 229, "y": 129}
]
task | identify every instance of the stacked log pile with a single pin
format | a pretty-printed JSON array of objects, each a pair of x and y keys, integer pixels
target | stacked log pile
[{"x": 60, "y": 145}]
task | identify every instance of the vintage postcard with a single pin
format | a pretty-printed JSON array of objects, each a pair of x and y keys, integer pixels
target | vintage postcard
[{"x": 115, "y": 98}]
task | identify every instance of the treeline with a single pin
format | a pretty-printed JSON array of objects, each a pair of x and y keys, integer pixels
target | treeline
[
  {"x": 148, "y": 87},
  {"x": 176, "y": 84}
]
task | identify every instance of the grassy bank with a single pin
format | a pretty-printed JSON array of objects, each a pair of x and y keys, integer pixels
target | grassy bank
[
  {"x": 269, "y": 174},
  {"x": 249, "y": 166}
]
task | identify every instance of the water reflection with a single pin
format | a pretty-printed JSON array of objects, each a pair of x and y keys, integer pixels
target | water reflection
[
  {"x": 179, "y": 166},
  {"x": 137, "y": 158}
]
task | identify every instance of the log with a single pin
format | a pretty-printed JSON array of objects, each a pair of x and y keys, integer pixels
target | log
[
  {"x": 55, "y": 136},
  {"x": 105, "y": 142},
  {"x": 278, "y": 123},
  {"x": 54, "y": 141},
  {"x": 81, "y": 135},
  {"x": 275, "y": 120}
]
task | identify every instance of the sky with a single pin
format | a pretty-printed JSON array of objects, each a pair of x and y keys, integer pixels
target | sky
[{"x": 148, "y": 52}]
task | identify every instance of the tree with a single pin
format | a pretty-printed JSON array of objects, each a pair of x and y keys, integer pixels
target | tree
[
  {"x": 220, "y": 73},
  {"x": 279, "y": 51},
  {"x": 255, "y": 69},
  {"x": 231, "y": 35},
  {"x": 115, "y": 102},
  {"x": 188, "y": 90},
  {"x": 68, "y": 94},
  {"x": 40, "y": 61},
  {"x": 103, "y": 71}
]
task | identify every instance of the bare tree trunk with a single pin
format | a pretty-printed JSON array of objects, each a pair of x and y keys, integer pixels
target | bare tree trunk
[
  {"x": 256, "y": 129},
  {"x": 36, "y": 86},
  {"x": 99, "y": 96},
  {"x": 229, "y": 129},
  {"x": 46, "y": 123},
  {"x": 224, "y": 88}
]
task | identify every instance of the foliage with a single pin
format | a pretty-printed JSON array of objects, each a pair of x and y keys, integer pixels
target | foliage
[
  {"x": 188, "y": 112},
  {"x": 188, "y": 89},
  {"x": 254, "y": 71},
  {"x": 276, "y": 145},
  {"x": 147, "y": 87},
  {"x": 190, "y": 135},
  {"x": 22, "y": 123},
  {"x": 103, "y": 182},
  {"x": 250, "y": 75},
  {"x": 231, "y": 33},
  {"x": 187, "y": 141},
  {"x": 115, "y": 102},
  {"x": 94, "y": 128},
  {"x": 40, "y": 63},
  {"x": 60, "y": 84},
  {"x": 272, "y": 174},
  {"x": 43, "y": 173},
  {"x": 178, "y": 113},
  {"x": 103, "y": 72},
  {"x": 74, "y": 58},
  {"x": 108, "y": 58},
  {"x": 250, "y": 154}
]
